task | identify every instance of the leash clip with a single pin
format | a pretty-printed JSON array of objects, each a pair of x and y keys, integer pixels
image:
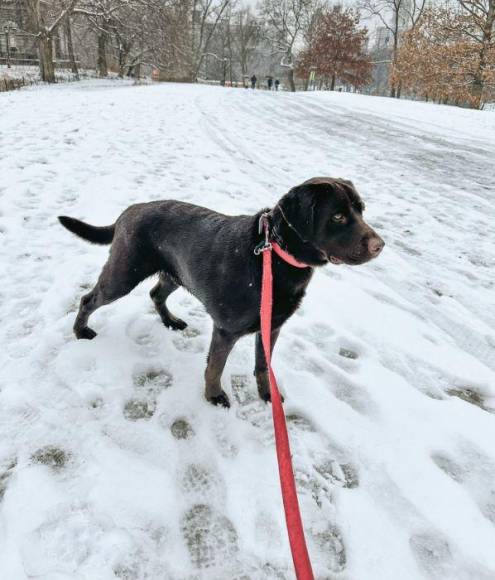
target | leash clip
[{"x": 264, "y": 245}]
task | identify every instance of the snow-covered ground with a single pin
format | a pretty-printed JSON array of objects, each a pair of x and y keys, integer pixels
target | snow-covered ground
[
  {"x": 31, "y": 75},
  {"x": 112, "y": 465}
]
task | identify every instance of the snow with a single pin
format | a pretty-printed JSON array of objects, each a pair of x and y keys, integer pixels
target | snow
[{"x": 112, "y": 465}]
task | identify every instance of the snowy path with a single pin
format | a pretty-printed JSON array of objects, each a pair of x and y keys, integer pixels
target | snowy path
[{"x": 112, "y": 465}]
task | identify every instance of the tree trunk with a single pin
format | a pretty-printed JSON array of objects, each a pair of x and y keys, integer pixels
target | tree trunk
[
  {"x": 244, "y": 67},
  {"x": 395, "y": 48},
  {"x": 124, "y": 51},
  {"x": 121, "y": 62},
  {"x": 102, "y": 64},
  {"x": 290, "y": 78},
  {"x": 70, "y": 48},
  {"x": 332, "y": 84},
  {"x": 479, "y": 77},
  {"x": 45, "y": 52}
]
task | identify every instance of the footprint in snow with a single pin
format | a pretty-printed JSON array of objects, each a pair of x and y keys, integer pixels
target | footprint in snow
[
  {"x": 62, "y": 541},
  {"x": 139, "y": 332},
  {"x": 332, "y": 549},
  {"x": 471, "y": 395},
  {"x": 302, "y": 359},
  {"x": 188, "y": 340},
  {"x": 25, "y": 307},
  {"x": 225, "y": 445},
  {"x": 472, "y": 469},
  {"x": 201, "y": 483},
  {"x": 352, "y": 395},
  {"x": 194, "y": 307},
  {"x": 210, "y": 537},
  {"x": 432, "y": 553},
  {"x": 6, "y": 472},
  {"x": 151, "y": 381},
  {"x": 348, "y": 353},
  {"x": 138, "y": 409},
  {"x": 51, "y": 456},
  {"x": 23, "y": 328},
  {"x": 318, "y": 472},
  {"x": 181, "y": 429},
  {"x": 318, "y": 334},
  {"x": 252, "y": 409}
]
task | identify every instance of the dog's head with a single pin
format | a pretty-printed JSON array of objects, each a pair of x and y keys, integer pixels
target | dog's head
[{"x": 327, "y": 214}]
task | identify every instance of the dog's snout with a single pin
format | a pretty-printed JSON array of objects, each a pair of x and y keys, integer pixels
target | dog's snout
[{"x": 375, "y": 245}]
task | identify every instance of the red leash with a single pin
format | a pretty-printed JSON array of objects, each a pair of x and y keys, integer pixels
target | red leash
[{"x": 299, "y": 550}]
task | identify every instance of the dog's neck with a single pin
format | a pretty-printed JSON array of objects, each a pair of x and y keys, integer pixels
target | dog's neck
[{"x": 286, "y": 235}]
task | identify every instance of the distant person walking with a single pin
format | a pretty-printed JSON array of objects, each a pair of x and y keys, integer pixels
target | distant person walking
[
  {"x": 277, "y": 82},
  {"x": 253, "y": 81},
  {"x": 270, "y": 83}
]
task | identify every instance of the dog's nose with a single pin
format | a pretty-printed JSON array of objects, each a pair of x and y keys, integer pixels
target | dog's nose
[{"x": 375, "y": 245}]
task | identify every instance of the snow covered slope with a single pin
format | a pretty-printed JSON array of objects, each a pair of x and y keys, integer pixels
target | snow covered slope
[{"x": 112, "y": 465}]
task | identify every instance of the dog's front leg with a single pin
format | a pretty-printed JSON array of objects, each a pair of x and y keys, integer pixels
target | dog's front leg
[
  {"x": 260, "y": 369},
  {"x": 221, "y": 344}
]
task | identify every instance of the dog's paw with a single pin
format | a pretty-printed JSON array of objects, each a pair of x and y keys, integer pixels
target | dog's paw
[
  {"x": 176, "y": 324},
  {"x": 173, "y": 322},
  {"x": 222, "y": 399},
  {"x": 266, "y": 396},
  {"x": 86, "y": 332}
]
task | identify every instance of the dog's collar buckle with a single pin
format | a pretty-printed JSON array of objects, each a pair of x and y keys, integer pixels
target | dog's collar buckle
[{"x": 263, "y": 225}]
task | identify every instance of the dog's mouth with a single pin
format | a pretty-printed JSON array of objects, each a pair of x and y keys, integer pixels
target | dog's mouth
[{"x": 353, "y": 260}]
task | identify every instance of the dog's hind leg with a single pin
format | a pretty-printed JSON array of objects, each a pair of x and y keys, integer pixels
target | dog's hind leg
[
  {"x": 159, "y": 294},
  {"x": 121, "y": 274},
  {"x": 220, "y": 347}
]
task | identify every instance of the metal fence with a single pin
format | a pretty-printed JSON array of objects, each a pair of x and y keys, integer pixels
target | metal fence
[{"x": 30, "y": 61}]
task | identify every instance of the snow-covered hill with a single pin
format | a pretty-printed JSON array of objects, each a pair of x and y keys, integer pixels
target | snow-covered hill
[{"x": 112, "y": 465}]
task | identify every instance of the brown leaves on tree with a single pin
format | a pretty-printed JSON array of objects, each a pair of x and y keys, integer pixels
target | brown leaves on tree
[
  {"x": 335, "y": 50},
  {"x": 450, "y": 55}
]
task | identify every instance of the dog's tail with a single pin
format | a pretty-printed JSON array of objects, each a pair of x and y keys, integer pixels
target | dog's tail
[{"x": 94, "y": 234}]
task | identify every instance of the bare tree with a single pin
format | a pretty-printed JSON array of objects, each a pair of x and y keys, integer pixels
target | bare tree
[
  {"x": 166, "y": 38},
  {"x": 44, "y": 19},
  {"x": 396, "y": 16},
  {"x": 130, "y": 28},
  {"x": 70, "y": 46},
  {"x": 246, "y": 37},
  {"x": 285, "y": 23},
  {"x": 206, "y": 16},
  {"x": 101, "y": 16}
]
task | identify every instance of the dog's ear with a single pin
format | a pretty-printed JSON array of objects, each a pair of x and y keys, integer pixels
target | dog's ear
[
  {"x": 299, "y": 206},
  {"x": 348, "y": 182}
]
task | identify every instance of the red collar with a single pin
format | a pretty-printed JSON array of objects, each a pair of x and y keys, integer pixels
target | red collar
[
  {"x": 287, "y": 257},
  {"x": 267, "y": 244}
]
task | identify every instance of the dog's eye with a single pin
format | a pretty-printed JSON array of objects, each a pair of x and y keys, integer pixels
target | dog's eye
[{"x": 339, "y": 218}]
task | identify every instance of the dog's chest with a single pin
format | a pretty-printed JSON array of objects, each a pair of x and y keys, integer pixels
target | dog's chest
[{"x": 285, "y": 304}]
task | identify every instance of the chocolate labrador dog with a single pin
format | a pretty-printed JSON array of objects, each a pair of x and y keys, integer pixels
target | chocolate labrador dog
[{"x": 211, "y": 255}]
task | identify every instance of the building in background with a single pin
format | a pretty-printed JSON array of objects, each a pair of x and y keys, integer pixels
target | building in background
[{"x": 19, "y": 47}]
